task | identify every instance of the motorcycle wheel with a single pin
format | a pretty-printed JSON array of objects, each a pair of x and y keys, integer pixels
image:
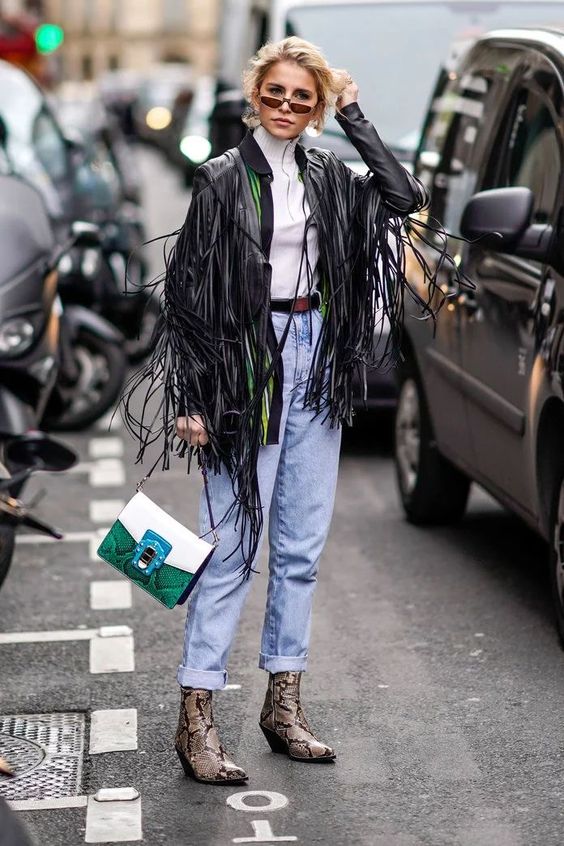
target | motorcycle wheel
[
  {"x": 7, "y": 544},
  {"x": 139, "y": 348},
  {"x": 103, "y": 368}
]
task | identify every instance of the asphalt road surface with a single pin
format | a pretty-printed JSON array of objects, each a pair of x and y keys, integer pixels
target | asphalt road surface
[{"x": 435, "y": 670}]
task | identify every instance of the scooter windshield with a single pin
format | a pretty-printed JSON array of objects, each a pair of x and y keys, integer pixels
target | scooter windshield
[{"x": 26, "y": 234}]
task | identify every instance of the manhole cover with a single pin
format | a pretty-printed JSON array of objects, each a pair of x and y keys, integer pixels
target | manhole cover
[{"x": 45, "y": 751}]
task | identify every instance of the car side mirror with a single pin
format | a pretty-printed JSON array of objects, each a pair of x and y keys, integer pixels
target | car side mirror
[
  {"x": 498, "y": 217},
  {"x": 501, "y": 220}
]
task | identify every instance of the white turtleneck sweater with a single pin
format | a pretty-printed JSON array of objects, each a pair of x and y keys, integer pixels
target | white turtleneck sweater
[{"x": 290, "y": 213}]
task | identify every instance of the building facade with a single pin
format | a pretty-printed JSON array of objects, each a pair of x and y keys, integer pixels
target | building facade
[{"x": 103, "y": 35}]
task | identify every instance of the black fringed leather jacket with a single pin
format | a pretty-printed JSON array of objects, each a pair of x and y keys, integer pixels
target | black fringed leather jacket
[{"x": 217, "y": 354}]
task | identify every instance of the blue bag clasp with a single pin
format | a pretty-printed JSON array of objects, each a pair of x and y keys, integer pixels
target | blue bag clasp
[{"x": 150, "y": 552}]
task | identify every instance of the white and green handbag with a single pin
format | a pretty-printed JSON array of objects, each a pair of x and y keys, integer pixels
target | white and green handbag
[{"x": 155, "y": 551}]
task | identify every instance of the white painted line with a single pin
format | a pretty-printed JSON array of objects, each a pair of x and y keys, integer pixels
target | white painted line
[
  {"x": 70, "y": 537},
  {"x": 105, "y": 510},
  {"x": 80, "y": 467},
  {"x": 96, "y": 539},
  {"x": 112, "y": 654},
  {"x": 65, "y": 635},
  {"x": 105, "y": 448},
  {"x": 264, "y": 834},
  {"x": 48, "y": 804},
  {"x": 93, "y": 539},
  {"x": 107, "y": 472},
  {"x": 275, "y": 801},
  {"x": 113, "y": 730},
  {"x": 113, "y": 821},
  {"x": 47, "y": 637},
  {"x": 232, "y": 687},
  {"x": 107, "y": 424},
  {"x": 111, "y": 595}
]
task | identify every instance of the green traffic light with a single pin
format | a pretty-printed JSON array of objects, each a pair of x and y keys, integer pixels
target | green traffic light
[{"x": 48, "y": 37}]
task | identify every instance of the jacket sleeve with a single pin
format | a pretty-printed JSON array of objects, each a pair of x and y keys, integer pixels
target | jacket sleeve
[{"x": 398, "y": 188}]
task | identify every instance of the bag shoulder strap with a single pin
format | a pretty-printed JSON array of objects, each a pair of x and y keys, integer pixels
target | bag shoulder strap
[{"x": 203, "y": 462}]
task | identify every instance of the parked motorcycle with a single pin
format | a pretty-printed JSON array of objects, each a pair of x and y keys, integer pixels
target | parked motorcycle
[
  {"x": 103, "y": 195},
  {"x": 30, "y": 315},
  {"x": 96, "y": 279},
  {"x": 20, "y": 456}
]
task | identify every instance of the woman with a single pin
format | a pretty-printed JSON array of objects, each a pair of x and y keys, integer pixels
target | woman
[{"x": 269, "y": 309}]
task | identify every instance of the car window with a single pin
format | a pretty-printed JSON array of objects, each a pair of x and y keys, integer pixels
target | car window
[
  {"x": 445, "y": 161},
  {"x": 49, "y": 146},
  {"x": 531, "y": 154}
]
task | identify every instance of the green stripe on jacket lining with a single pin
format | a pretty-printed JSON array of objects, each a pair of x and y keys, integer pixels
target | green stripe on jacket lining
[{"x": 250, "y": 347}]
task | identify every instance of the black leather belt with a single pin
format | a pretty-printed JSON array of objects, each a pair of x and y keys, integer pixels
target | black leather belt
[{"x": 298, "y": 304}]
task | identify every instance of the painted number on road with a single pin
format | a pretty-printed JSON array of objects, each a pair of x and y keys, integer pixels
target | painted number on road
[{"x": 262, "y": 829}]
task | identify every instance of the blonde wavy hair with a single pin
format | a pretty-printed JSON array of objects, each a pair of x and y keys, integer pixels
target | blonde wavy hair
[{"x": 329, "y": 82}]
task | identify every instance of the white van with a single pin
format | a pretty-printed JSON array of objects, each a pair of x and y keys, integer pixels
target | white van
[{"x": 393, "y": 49}]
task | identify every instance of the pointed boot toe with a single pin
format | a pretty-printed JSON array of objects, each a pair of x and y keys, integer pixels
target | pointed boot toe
[
  {"x": 284, "y": 725},
  {"x": 197, "y": 743}
]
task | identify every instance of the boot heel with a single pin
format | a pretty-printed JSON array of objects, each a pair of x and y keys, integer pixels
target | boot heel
[
  {"x": 188, "y": 771},
  {"x": 274, "y": 741}
]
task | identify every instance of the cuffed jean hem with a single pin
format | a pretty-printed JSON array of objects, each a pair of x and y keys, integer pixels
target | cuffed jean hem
[
  {"x": 204, "y": 679},
  {"x": 282, "y": 663}
]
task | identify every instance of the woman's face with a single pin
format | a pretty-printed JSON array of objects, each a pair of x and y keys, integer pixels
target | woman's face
[{"x": 287, "y": 79}]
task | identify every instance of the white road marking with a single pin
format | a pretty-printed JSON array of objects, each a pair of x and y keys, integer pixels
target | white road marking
[
  {"x": 110, "y": 595},
  {"x": 47, "y": 637},
  {"x": 70, "y": 537},
  {"x": 113, "y": 730},
  {"x": 232, "y": 687},
  {"x": 95, "y": 541},
  {"x": 105, "y": 448},
  {"x": 113, "y": 820},
  {"x": 275, "y": 801},
  {"x": 263, "y": 834},
  {"x": 92, "y": 538},
  {"x": 116, "y": 794},
  {"x": 105, "y": 510},
  {"x": 106, "y": 423},
  {"x": 107, "y": 472},
  {"x": 111, "y": 647},
  {"x": 112, "y": 653},
  {"x": 48, "y": 804}
]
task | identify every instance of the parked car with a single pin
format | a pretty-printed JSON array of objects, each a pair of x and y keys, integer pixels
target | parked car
[
  {"x": 189, "y": 145},
  {"x": 80, "y": 109},
  {"x": 163, "y": 94},
  {"x": 484, "y": 399}
]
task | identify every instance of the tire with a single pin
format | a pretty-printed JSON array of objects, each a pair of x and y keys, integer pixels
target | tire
[
  {"x": 103, "y": 368},
  {"x": 556, "y": 559},
  {"x": 432, "y": 489},
  {"x": 7, "y": 544}
]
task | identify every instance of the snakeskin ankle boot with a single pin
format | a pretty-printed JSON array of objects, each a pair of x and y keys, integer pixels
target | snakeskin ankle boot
[
  {"x": 197, "y": 742},
  {"x": 284, "y": 724}
]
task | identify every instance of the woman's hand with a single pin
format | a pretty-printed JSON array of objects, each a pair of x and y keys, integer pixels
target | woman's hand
[
  {"x": 349, "y": 88},
  {"x": 192, "y": 429}
]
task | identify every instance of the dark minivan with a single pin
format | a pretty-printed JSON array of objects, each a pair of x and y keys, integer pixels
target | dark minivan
[{"x": 484, "y": 399}]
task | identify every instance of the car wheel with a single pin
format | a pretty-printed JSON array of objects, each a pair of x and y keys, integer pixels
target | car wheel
[
  {"x": 556, "y": 560},
  {"x": 432, "y": 489}
]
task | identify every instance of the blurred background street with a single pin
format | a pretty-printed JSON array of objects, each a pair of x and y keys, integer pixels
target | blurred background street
[{"x": 436, "y": 670}]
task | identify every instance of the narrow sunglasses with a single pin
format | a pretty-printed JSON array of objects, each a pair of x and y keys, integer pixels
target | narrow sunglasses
[{"x": 277, "y": 102}]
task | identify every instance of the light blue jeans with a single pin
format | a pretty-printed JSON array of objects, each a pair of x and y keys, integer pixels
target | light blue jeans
[{"x": 297, "y": 481}]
